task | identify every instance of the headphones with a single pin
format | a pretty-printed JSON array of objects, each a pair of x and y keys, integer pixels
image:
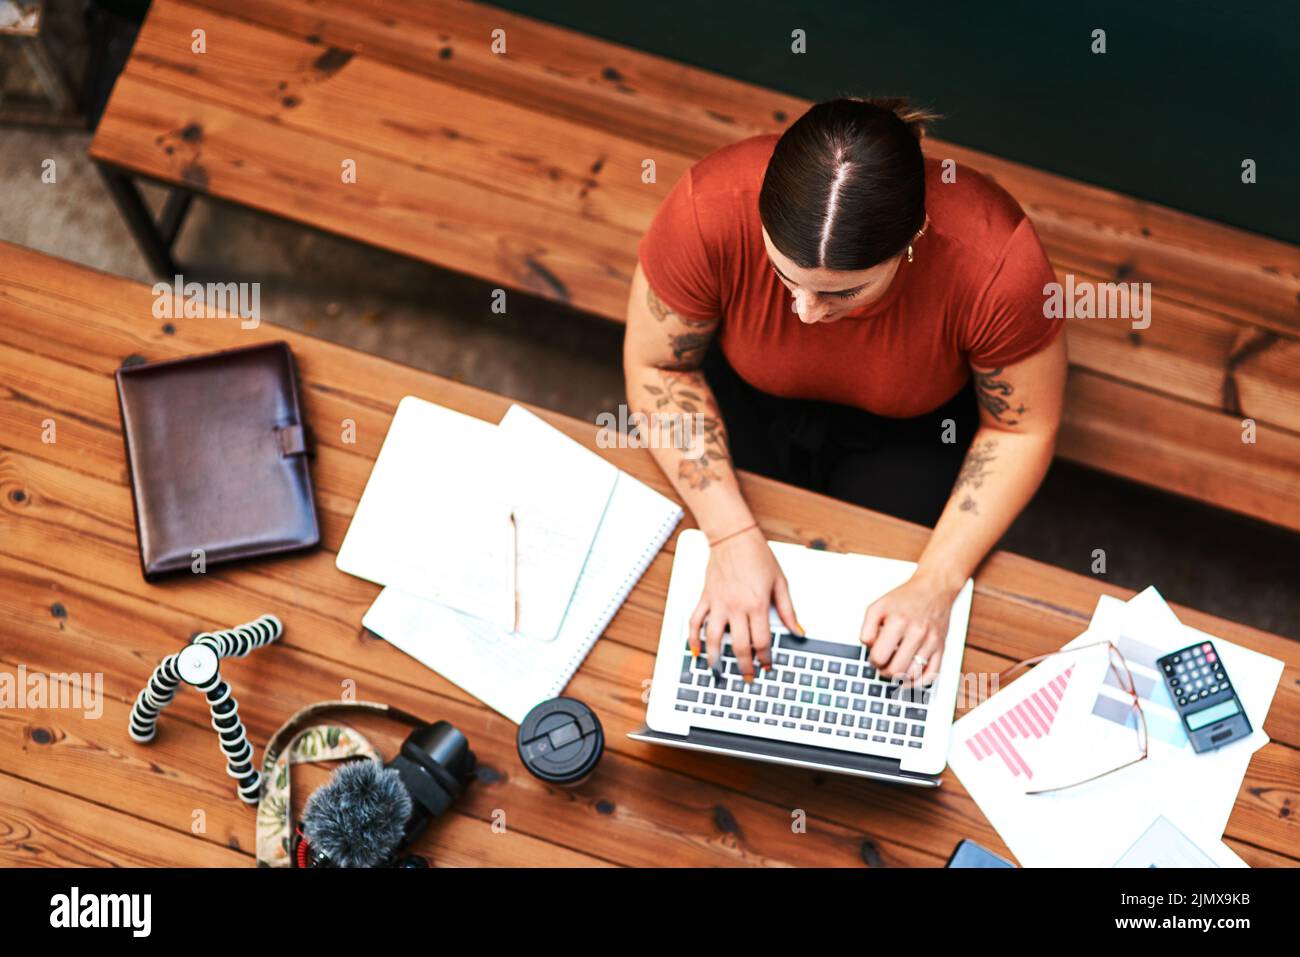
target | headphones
[{"x": 369, "y": 810}]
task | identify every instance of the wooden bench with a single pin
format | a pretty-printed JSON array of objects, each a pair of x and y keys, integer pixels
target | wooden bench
[
  {"x": 524, "y": 169},
  {"x": 76, "y": 790}
]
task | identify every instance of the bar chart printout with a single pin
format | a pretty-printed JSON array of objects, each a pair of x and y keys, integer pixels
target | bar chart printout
[{"x": 1030, "y": 720}]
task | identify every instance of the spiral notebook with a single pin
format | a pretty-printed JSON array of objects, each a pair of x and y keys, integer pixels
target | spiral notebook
[{"x": 510, "y": 672}]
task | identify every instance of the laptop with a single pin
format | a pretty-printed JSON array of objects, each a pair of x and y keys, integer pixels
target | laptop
[{"x": 822, "y": 705}]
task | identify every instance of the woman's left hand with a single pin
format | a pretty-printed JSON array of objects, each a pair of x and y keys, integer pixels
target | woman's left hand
[{"x": 910, "y": 621}]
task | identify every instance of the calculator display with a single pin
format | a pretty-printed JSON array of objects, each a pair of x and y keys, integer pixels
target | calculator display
[{"x": 1199, "y": 719}]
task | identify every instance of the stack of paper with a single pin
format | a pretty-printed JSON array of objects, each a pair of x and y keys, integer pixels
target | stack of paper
[
  {"x": 434, "y": 526},
  {"x": 1067, "y": 718}
]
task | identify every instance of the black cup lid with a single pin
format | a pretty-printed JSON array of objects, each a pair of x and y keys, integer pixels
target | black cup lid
[{"x": 560, "y": 740}]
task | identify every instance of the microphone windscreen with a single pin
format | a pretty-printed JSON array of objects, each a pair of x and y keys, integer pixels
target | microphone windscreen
[{"x": 359, "y": 817}]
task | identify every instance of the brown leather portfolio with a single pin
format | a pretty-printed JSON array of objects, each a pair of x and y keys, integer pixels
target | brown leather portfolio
[{"x": 217, "y": 457}]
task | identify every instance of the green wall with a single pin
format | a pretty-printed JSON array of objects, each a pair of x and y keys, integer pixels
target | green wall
[{"x": 1184, "y": 93}]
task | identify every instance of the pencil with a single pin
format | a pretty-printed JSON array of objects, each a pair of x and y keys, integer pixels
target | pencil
[{"x": 514, "y": 566}]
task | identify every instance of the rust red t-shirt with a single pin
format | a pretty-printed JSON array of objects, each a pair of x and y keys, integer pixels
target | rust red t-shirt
[{"x": 973, "y": 294}]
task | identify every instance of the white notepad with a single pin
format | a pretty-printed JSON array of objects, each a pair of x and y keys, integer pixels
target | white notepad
[
  {"x": 434, "y": 458},
  {"x": 558, "y": 491},
  {"x": 434, "y": 519},
  {"x": 509, "y": 672}
]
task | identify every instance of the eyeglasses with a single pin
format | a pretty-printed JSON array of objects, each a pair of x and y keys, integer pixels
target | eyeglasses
[{"x": 1119, "y": 667}]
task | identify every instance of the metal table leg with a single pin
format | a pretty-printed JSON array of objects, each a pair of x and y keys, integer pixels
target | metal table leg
[{"x": 154, "y": 238}]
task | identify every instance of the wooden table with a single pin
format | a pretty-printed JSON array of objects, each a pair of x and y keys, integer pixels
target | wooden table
[{"x": 75, "y": 790}]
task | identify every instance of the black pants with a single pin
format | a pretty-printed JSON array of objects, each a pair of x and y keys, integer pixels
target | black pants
[{"x": 902, "y": 467}]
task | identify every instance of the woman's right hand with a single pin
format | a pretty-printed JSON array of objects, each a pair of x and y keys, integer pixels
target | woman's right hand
[{"x": 742, "y": 582}]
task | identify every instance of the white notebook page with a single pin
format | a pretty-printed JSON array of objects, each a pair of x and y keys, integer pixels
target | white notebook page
[
  {"x": 434, "y": 519},
  {"x": 559, "y": 491}
]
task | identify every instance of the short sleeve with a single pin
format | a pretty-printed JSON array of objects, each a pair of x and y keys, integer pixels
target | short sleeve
[
  {"x": 1008, "y": 322},
  {"x": 675, "y": 258}
]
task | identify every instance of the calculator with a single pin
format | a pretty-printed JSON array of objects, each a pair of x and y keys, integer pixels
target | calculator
[{"x": 1204, "y": 697}]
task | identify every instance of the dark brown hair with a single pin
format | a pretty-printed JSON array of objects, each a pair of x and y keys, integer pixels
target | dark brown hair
[{"x": 845, "y": 187}]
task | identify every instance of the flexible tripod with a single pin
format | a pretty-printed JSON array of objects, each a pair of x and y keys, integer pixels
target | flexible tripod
[{"x": 198, "y": 664}]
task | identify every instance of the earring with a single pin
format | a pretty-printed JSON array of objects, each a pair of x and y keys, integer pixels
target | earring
[{"x": 919, "y": 233}]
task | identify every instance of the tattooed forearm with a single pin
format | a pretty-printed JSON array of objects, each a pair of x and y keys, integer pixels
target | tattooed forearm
[
  {"x": 662, "y": 311},
  {"x": 680, "y": 399},
  {"x": 974, "y": 470},
  {"x": 995, "y": 395}
]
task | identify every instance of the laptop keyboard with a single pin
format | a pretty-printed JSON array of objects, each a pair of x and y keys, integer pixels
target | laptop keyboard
[{"x": 819, "y": 687}]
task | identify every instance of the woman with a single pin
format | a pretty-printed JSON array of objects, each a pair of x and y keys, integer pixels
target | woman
[{"x": 840, "y": 312}]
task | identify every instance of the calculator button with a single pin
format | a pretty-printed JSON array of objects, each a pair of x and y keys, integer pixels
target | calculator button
[
  {"x": 1207, "y": 647},
  {"x": 1211, "y": 656}
]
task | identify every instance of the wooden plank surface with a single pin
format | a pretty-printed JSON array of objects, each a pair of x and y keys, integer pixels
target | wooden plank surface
[
  {"x": 71, "y": 598},
  {"x": 557, "y": 103},
  {"x": 524, "y": 168}
]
